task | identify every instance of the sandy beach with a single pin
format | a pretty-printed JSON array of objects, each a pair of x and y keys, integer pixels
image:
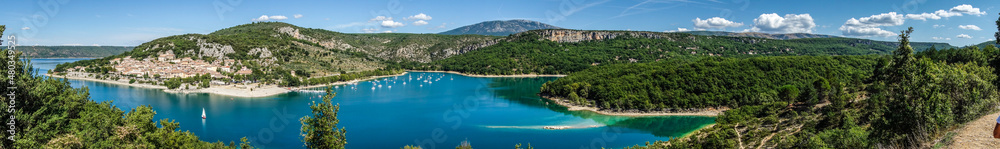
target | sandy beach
[
  {"x": 492, "y": 76},
  {"x": 573, "y": 107},
  {"x": 125, "y": 83},
  {"x": 232, "y": 90}
]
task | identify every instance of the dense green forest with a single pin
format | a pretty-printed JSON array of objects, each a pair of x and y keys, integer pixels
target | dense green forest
[
  {"x": 531, "y": 53},
  {"x": 908, "y": 101},
  {"x": 707, "y": 82},
  {"x": 71, "y": 51}
]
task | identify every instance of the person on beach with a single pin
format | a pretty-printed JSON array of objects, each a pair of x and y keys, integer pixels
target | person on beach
[{"x": 996, "y": 129}]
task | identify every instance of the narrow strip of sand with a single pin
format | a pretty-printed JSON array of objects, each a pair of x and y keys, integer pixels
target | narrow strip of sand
[
  {"x": 573, "y": 107},
  {"x": 125, "y": 83}
]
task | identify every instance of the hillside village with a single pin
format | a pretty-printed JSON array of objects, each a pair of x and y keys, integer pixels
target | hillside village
[{"x": 167, "y": 65}]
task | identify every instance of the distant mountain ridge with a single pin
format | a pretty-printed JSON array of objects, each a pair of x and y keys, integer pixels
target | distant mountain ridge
[
  {"x": 761, "y": 35},
  {"x": 918, "y": 46},
  {"x": 499, "y": 28},
  {"x": 72, "y": 51}
]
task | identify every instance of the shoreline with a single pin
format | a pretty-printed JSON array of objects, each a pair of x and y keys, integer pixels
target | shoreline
[
  {"x": 490, "y": 76},
  {"x": 228, "y": 90},
  {"x": 711, "y": 112},
  {"x": 232, "y": 90}
]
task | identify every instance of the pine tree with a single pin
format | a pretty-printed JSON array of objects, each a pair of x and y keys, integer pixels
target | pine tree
[
  {"x": 320, "y": 130},
  {"x": 4, "y": 27}
]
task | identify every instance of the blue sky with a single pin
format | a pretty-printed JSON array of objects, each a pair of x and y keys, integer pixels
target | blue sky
[{"x": 106, "y": 22}]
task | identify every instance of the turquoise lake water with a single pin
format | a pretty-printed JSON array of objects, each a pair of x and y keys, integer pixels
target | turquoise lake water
[{"x": 405, "y": 110}]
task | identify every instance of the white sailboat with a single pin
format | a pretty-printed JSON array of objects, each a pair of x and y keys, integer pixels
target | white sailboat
[{"x": 202, "y": 113}]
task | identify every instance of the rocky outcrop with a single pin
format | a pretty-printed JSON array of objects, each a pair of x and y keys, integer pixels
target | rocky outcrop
[
  {"x": 578, "y": 35},
  {"x": 216, "y": 50},
  {"x": 294, "y": 33}
]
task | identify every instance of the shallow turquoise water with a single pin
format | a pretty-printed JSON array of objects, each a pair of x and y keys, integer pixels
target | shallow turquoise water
[{"x": 440, "y": 113}]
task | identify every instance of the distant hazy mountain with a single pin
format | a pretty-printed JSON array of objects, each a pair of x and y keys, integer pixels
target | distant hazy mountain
[
  {"x": 72, "y": 51},
  {"x": 918, "y": 46},
  {"x": 760, "y": 35},
  {"x": 499, "y": 28}
]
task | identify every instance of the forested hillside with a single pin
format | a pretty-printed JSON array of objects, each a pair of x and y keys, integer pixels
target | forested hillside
[{"x": 709, "y": 82}]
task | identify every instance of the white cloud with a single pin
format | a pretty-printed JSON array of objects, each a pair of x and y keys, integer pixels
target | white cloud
[
  {"x": 963, "y": 36},
  {"x": 95, "y": 45},
  {"x": 420, "y": 16},
  {"x": 261, "y": 18},
  {"x": 386, "y": 31},
  {"x": 970, "y": 27},
  {"x": 268, "y": 18},
  {"x": 954, "y": 11},
  {"x": 869, "y": 26},
  {"x": 938, "y": 26},
  {"x": 967, "y": 9},
  {"x": 420, "y": 22},
  {"x": 678, "y": 30},
  {"x": 791, "y": 23},
  {"x": 940, "y": 38},
  {"x": 714, "y": 22},
  {"x": 25, "y": 28},
  {"x": 297, "y": 16},
  {"x": 865, "y": 31},
  {"x": 279, "y": 17},
  {"x": 370, "y": 30},
  {"x": 391, "y": 24},
  {"x": 884, "y": 19},
  {"x": 923, "y": 16},
  {"x": 72, "y": 44},
  {"x": 380, "y": 18}
]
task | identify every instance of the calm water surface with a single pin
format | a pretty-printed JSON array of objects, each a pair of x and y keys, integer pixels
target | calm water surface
[{"x": 433, "y": 110}]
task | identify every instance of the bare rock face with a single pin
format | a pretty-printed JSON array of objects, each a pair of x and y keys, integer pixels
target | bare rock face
[
  {"x": 578, "y": 36},
  {"x": 216, "y": 50},
  {"x": 294, "y": 33},
  {"x": 263, "y": 52}
]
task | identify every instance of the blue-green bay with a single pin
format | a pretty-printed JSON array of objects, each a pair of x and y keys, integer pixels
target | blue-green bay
[{"x": 433, "y": 110}]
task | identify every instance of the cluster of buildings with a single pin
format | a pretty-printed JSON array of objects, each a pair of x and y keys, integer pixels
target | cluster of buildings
[{"x": 166, "y": 65}]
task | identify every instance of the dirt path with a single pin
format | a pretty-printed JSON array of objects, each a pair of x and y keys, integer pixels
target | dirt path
[
  {"x": 739, "y": 137},
  {"x": 977, "y": 134}
]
